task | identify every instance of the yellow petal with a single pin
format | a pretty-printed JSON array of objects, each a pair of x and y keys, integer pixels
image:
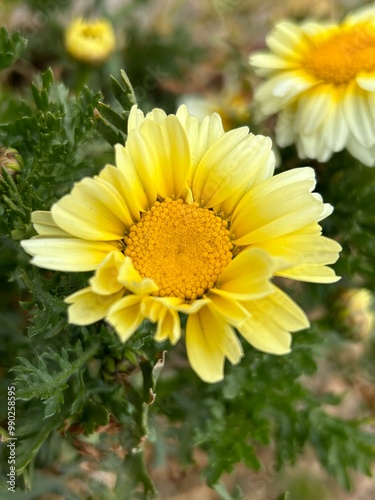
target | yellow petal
[
  {"x": 46, "y": 226},
  {"x": 192, "y": 307},
  {"x": 136, "y": 118},
  {"x": 128, "y": 185},
  {"x": 306, "y": 247},
  {"x": 246, "y": 277},
  {"x": 125, "y": 316},
  {"x": 163, "y": 310},
  {"x": 260, "y": 165},
  {"x": 231, "y": 310},
  {"x": 169, "y": 327},
  {"x": 277, "y": 206},
  {"x": 105, "y": 281},
  {"x": 171, "y": 155},
  {"x": 201, "y": 135},
  {"x": 271, "y": 320},
  {"x": 222, "y": 170},
  {"x": 138, "y": 159},
  {"x": 266, "y": 336},
  {"x": 310, "y": 273},
  {"x": 133, "y": 281},
  {"x": 88, "y": 307},
  {"x": 94, "y": 211},
  {"x": 67, "y": 254},
  {"x": 209, "y": 339}
]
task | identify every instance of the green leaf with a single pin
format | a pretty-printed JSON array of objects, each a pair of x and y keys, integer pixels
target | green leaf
[
  {"x": 111, "y": 135},
  {"x": 94, "y": 415},
  {"x": 112, "y": 117},
  {"x": 43, "y": 381},
  {"x": 125, "y": 97},
  {"x": 32, "y": 431},
  {"x": 11, "y": 47}
]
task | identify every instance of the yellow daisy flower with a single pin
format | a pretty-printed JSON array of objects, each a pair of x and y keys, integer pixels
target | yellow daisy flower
[
  {"x": 190, "y": 221},
  {"x": 90, "y": 42},
  {"x": 321, "y": 81}
]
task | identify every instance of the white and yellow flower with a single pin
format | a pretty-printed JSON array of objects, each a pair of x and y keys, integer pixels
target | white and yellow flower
[
  {"x": 321, "y": 83},
  {"x": 190, "y": 221},
  {"x": 91, "y": 42}
]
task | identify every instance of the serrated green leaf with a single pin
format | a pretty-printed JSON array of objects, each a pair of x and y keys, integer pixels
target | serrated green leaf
[
  {"x": 47, "y": 378},
  {"x": 125, "y": 97},
  {"x": 112, "y": 117},
  {"x": 111, "y": 135}
]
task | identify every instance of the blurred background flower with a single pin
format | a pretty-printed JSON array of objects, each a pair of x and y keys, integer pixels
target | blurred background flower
[{"x": 90, "y": 41}]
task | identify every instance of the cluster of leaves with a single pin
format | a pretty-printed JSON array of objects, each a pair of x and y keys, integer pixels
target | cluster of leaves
[{"x": 261, "y": 401}]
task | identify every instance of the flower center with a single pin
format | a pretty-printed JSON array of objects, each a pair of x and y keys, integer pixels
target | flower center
[
  {"x": 183, "y": 248},
  {"x": 92, "y": 32},
  {"x": 340, "y": 58}
]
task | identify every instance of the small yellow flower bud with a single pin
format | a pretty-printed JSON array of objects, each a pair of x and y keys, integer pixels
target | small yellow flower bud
[
  {"x": 354, "y": 314},
  {"x": 90, "y": 42}
]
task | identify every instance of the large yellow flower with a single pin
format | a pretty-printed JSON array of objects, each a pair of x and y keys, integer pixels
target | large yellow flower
[
  {"x": 190, "y": 221},
  {"x": 90, "y": 42},
  {"x": 321, "y": 81}
]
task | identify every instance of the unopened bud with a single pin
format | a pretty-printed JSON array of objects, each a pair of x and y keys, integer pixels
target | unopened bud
[
  {"x": 10, "y": 160},
  {"x": 354, "y": 315}
]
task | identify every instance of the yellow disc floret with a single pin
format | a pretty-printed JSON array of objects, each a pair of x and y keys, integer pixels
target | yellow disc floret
[
  {"x": 182, "y": 247},
  {"x": 339, "y": 58}
]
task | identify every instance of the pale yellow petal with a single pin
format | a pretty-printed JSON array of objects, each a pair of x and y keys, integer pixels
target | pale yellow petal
[
  {"x": 162, "y": 310},
  {"x": 133, "y": 281},
  {"x": 129, "y": 185},
  {"x": 246, "y": 277},
  {"x": 285, "y": 38},
  {"x": 265, "y": 335},
  {"x": 223, "y": 169},
  {"x": 126, "y": 316},
  {"x": 169, "y": 327},
  {"x": 170, "y": 153},
  {"x": 46, "y": 226},
  {"x": 67, "y": 254},
  {"x": 192, "y": 307},
  {"x": 260, "y": 165},
  {"x": 358, "y": 115},
  {"x": 201, "y": 135},
  {"x": 306, "y": 246},
  {"x": 209, "y": 339},
  {"x": 280, "y": 309},
  {"x": 310, "y": 273},
  {"x": 87, "y": 307},
  {"x": 136, "y": 118},
  {"x": 157, "y": 115},
  {"x": 94, "y": 211},
  {"x": 271, "y": 321},
  {"x": 106, "y": 279},
  {"x": 277, "y": 206},
  {"x": 231, "y": 310}
]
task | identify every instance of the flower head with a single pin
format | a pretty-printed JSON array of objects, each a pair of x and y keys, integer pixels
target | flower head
[
  {"x": 321, "y": 81},
  {"x": 90, "y": 42},
  {"x": 190, "y": 221}
]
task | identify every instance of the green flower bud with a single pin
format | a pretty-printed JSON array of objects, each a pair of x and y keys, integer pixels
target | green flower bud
[{"x": 10, "y": 160}]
